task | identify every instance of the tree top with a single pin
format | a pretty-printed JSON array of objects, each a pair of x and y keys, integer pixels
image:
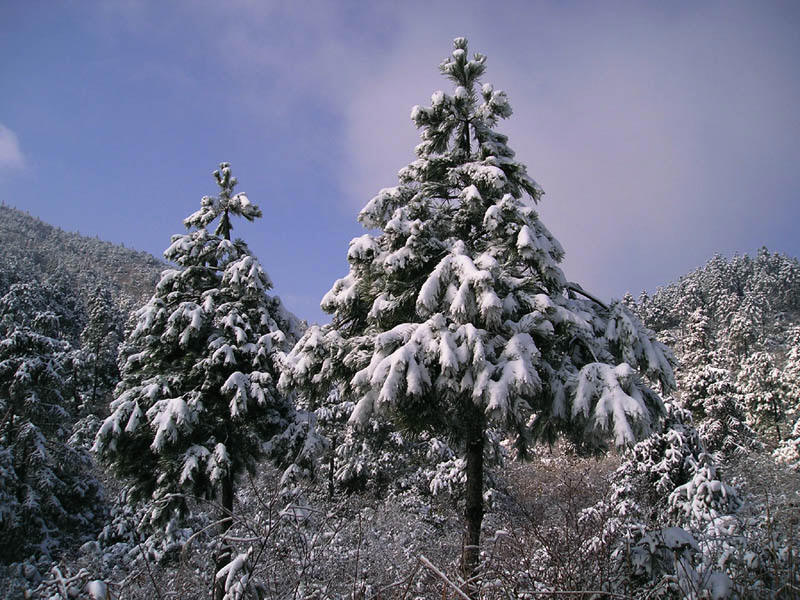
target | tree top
[{"x": 223, "y": 204}]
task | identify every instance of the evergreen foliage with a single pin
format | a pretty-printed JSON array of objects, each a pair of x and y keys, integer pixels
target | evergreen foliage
[
  {"x": 99, "y": 342},
  {"x": 47, "y": 489},
  {"x": 760, "y": 383},
  {"x": 456, "y": 315},
  {"x": 384, "y": 461},
  {"x": 788, "y": 451},
  {"x": 671, "y": 467},
  {"x": 664, "y": 497}
]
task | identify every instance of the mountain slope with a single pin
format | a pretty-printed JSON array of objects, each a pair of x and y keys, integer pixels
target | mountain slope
[{"x": 36, "y": 251}]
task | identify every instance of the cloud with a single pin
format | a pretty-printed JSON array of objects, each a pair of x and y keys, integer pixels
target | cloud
[
  {"x": 660, "y": 136},
  {"x": 11, "y": 156},
  {"x": 658, "y": 141}
]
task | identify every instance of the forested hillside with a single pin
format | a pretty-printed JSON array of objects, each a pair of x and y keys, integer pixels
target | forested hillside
[
  {"x": 36, "y": 251},
  {"x": 747, "y": 302},
  {"x": 734, "y": 324}
]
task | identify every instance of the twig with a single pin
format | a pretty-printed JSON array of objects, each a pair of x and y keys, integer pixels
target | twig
[
  {"x": 442, "y": 576},
  {"x": 410, "y": 581},
  {"x": 150, "y": 574},
  {"x": 388, "y": 587},
  {"x": 59, "y": 580},
  {"x": 358, "y": 556}
]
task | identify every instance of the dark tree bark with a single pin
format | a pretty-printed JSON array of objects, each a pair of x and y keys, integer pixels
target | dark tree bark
[
  {"x": 225, "y": 552},
  {"x": 331, "y": 469},
  {"x": 473, "y": 513}
]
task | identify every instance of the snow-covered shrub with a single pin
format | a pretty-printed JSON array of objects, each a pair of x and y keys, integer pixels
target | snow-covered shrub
[{"x": 667, "y": 512}]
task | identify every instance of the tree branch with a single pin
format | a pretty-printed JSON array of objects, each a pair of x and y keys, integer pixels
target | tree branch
[
  {"x": 442, "y": 576},
  {"x": 574, "y": 287}
]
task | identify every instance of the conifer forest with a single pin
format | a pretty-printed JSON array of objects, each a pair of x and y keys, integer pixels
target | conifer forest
[{"x": 470, "y": 423}]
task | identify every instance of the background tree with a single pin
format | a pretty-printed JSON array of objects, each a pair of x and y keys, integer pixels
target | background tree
[
  {"x": 710, "y": 393},
  {"x": 197, "y": 404},
  {"x": 46, "y": 486},
  {"x": 789, "y": 450},
  {"x": 791, "y": 372},
  {"x": 456, "y": 314},
  {"x": 744, "y": 327},
  {"x": 99, "y": 342},
  {"x": 761, "y": 386}
]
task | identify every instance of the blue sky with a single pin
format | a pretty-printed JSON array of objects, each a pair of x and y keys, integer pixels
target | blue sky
[{"x": 662, "y": 132}]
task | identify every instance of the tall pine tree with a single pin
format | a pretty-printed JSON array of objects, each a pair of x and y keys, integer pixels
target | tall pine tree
[
  {"x": 197, "y": 404},
  {"x": 456, "y": 316}
]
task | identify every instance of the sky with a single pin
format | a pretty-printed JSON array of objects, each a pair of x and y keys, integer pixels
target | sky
[{"x": 661, "y": 132}]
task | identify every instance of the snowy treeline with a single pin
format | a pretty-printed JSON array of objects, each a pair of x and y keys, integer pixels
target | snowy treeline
[
  {"x": 735, "y": 324},
  {"x": 446, "y": 435}
]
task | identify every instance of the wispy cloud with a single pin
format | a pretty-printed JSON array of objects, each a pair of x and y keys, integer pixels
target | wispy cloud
[
  {"x": 659, "y": 135},
  {"x": 11, "y": 156},
  {"x": 658, "y": 141}
]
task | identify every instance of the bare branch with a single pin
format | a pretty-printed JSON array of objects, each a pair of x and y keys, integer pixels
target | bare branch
[{"x": 442, "y": 576}]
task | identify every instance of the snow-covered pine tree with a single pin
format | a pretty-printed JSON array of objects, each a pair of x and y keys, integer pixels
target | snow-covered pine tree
[
  {"x": 457, "y": 314},
  {"x": 710, "y": 393},
  {"x": 760, "y": 383},
  {"x": 789, "y": 449},
  {"x": 197, "y": 404},
  {"x": 99, "y": 341},
  {"x": 46, "y": 486},
  {"x": 665, "y": 493},
  {"x": 746, "y": 327}
]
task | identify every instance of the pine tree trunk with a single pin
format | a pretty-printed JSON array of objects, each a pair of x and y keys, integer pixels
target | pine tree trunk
[
  {"x": 225, "y": 552},
  {"x": 473, "y": 513},
  {"x": 95, "y": 381},
  {"x": 776, "y": 415},
  {"x": 331, "y": 470}
]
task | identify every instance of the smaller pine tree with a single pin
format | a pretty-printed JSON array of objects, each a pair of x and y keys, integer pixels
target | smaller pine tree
[
  {"x": 197, "y": 405},
  {"x": 666, "y": 493},
  {"x": 99, "y": 342},
  {"x": 722, "y": 422},
  {"x": 788, "y": 451}
]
